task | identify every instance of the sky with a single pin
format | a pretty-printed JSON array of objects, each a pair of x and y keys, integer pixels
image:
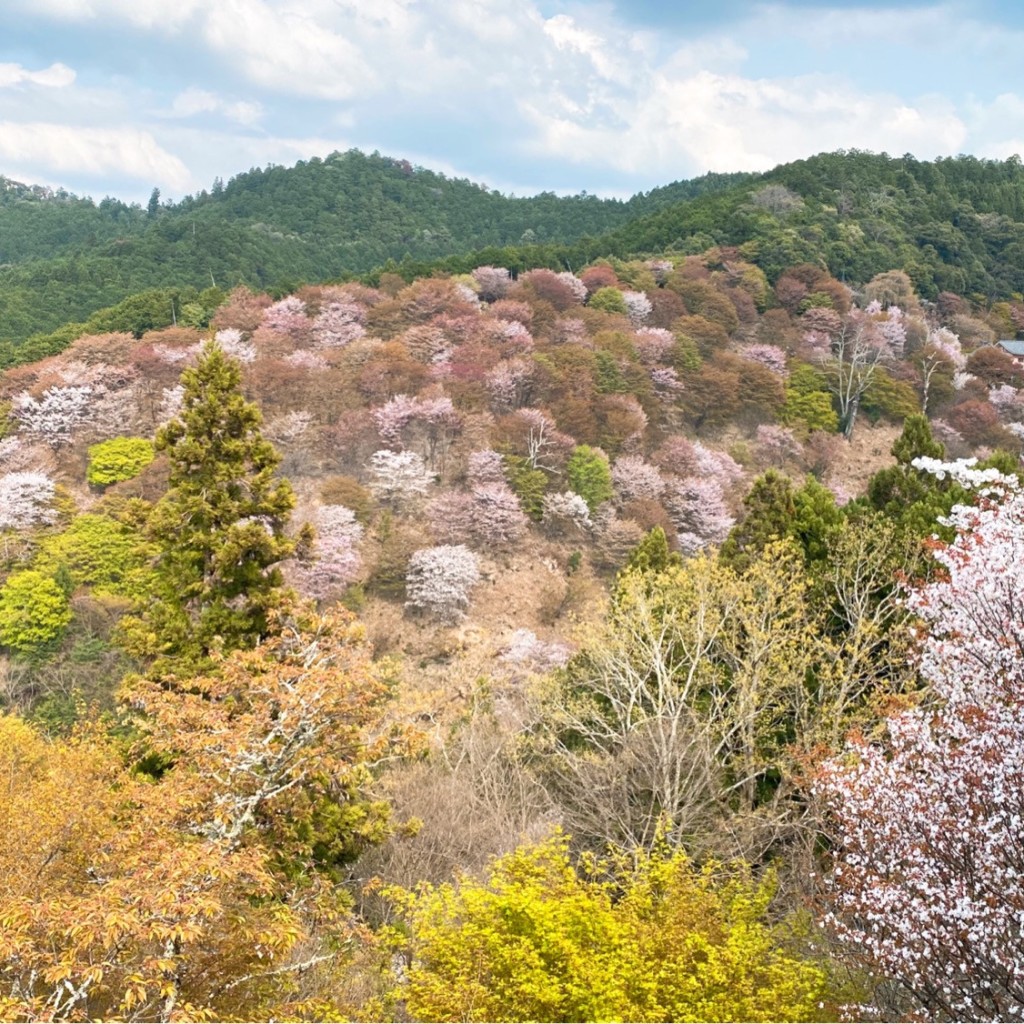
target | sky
[{"x": 117, "y": 97}]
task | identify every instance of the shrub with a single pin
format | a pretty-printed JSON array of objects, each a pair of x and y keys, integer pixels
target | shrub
[
  {"x": 120, "y": 458},
  {"x": 96, "y": 551},
  {"x": 590, "y": 476},
  {"x": 655, "y": 938},
  {"x": 608, "y": 299},
  {"x": 34, "y": 612}
]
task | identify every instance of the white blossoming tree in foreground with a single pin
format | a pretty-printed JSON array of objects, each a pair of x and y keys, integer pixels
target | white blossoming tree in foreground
[{"x": 929, "y": 876}]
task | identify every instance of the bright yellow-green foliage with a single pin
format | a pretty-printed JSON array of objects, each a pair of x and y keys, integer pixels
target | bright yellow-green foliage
[
  {"x": 812, "y": 410},
  {"x": 34, "y": 612},
  {"x": 648, "y": 938},
  {"x": 808, "y": 402},
  {"x": 98, "y": 552},
  {"x": 120, "y": 458},
  {"x": 589, "y": 475},
  {"x": 608, "y": 299}
]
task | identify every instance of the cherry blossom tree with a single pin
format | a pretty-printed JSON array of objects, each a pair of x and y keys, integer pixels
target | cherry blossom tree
[
  {"x": 338, "y": 324},
  {"x": 770, "y": 356},
  {"x": 450, "y": 516},
  {"x": 485, "y": 466},
  {"x": 718, "y": 464},
  {"x": 566, "y": 508},
  {"x": 498, "y": 519},
  {"x": 660, "y": 269},
  {"x": 287, "y": 317},
  {"x": 508, "y": 383},
  {"x": 439, "y": 581},
  {"x": 638, "y": 307},
  {"x": 493, "y": 282},
  {"x": 653, "y": 344},
  {"x": 175, "y": 355},
  {"x": 426, "y": 424},
  {"x": 334, "y": 561},
  {"x": 514, "y": 335},
  {"x": 699, "y": 513},
  {"x": 571, "y": 330},
  {"x": 575, "y": 285},
  {"x": 398, "y": 478},
  {"x": 171, "y": 400},
  {"x": 235, "y": 346},
  {"x": 303, "y": 359},
  {"x": 634, "y": 477},
  {"x": 489, "y": 515},
  {"x": 392, "y": 418},
  {"x": 776, "y": 445},
  {"x": 941, "y": 355},
  {"x": 289, "y": 428},
  {"x": 438, "y": 423},
  {"x": 525, "y": 649},
  {"x": 947, "y": 344},
  {"x": 53, "y": 417},
  {"x": 928, "y": 884},
  {"x": 14, "y": 454},
  {"x": 26, "y": 501}
]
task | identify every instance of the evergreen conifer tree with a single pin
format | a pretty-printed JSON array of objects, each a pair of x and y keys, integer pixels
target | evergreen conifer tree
[
  {"x": 769, "y": 516},
  {"x": 910, "y": 497},
  {"x": 220, "y": 526}
]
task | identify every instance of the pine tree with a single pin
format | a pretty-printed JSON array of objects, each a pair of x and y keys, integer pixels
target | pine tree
[
  {"x": 220, "y": 526},
  {"x": 910, "y": 497},
  {"x": 769, "y": 516}
]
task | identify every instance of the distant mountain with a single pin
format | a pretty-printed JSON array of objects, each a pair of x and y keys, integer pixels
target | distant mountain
[
  {"x": 953, "y": 225},
  {"x": 62, "y": 257}
]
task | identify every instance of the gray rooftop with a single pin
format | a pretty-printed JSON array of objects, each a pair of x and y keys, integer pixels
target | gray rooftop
[{"x": 1015, "y": 348}]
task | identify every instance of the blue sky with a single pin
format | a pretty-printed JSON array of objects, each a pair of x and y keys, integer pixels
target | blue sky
[{"x": 114, "y": 97}]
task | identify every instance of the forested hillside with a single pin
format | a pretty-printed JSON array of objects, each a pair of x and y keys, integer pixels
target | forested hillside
[
  {"x": 62, "y": 258},
  {"x": 608, "y": 644},
  {"x": 953, "y": 225}
]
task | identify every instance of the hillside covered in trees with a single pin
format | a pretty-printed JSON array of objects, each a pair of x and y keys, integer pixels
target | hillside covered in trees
[
  {"x": 613, "y": 643},
  {"x": 953, "y": 225},
  {"x": 63, "y": 257}
]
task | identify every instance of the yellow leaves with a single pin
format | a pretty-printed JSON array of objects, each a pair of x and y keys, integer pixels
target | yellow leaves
[
  {"x": 121, "y": 892},
  {"x": 134, "y": 993},
  {"x": 543, "y": 940}
]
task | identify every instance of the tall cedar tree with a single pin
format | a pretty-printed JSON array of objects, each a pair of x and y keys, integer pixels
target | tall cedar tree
[{"x": 220, "y": 526}]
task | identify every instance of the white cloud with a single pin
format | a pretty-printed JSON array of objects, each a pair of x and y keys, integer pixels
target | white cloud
[
  {"x": 580, "y": 88},
  {"x": 727, "y": 122},
  {"x": 286, "y": 48},
  {"x": 56, "y": 76},
  {"x": 198, "y": 101},
  {"x": 68, "y": 150},
  {"x": 144, "y": 14}
]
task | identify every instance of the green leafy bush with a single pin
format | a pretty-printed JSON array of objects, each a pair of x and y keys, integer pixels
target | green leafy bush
[
  {"x": 590, "y": 476},
  {"x": 608, "y": 299},
  {"x": 120, "y": 458},
  {"x": 34, "y": 612},
  {"x": 99, "y": 552}
]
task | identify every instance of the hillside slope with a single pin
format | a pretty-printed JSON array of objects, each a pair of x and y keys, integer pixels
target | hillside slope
[{"x": 63, "y": 257}]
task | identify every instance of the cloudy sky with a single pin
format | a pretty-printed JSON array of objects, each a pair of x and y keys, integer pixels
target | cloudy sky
[{"x": 114, "y": 97}]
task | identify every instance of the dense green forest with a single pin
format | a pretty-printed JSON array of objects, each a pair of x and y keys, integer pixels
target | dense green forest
[
  {"x": 955, "y": 224},
  {"x": 952, "y": 225},
  {"x": 62, "y": 257}
]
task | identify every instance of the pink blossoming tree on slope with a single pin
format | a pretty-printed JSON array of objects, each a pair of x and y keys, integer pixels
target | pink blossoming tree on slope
[{"x": 928, "y": 885}]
